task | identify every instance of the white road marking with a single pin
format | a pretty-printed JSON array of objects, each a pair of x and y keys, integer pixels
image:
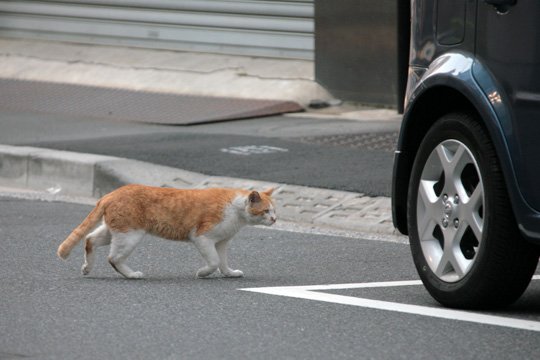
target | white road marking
[{"x": 312, "y": 292}]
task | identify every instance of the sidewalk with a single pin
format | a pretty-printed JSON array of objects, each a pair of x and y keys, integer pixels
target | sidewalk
[
  {"x": 173, "y": 72},
  {"x": 91, "y": 176}
]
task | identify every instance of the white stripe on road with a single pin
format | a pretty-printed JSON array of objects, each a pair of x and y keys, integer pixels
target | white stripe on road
[{"x": 312, "y": 293}]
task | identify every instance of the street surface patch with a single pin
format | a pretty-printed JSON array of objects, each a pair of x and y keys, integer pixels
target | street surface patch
[
  {"x": 385, "y": 141},
  {"x": 142, "y": 106},
  {"x": 253, "y": 150},
  {"x": 315, "y": 292}
]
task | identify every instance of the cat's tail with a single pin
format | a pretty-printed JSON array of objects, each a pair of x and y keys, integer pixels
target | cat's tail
[{"x": 80, "y": 231}]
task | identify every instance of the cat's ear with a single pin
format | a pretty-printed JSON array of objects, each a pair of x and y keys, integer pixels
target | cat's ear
[
  {"x": 269, "y": 191},
  {"x": 254, "y": 197}
]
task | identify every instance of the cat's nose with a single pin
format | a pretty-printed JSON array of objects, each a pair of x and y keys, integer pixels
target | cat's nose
[{"x": 273, "y": 219}]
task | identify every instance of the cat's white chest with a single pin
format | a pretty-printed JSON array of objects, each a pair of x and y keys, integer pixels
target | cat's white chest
[{"x": 232, "y": 223}]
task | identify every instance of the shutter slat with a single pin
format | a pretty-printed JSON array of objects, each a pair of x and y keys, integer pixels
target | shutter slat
[{"x": 248, "y": 27}]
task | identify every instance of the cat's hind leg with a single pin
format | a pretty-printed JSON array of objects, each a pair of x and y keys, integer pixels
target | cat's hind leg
[
  {"x": 222, "y": 248},
  {"x": 207, "y": 248},
  {"x": 122, "y": 245},
  {"x": 101, "y": 236}
]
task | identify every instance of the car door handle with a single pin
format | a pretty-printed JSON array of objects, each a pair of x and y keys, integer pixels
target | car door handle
[
  {"x": 501, "y": 2},
  {"x": 502, "y": 6}
]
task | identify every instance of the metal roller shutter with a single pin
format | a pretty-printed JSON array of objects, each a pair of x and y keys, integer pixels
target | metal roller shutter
[{"x": 247, "y": 27}]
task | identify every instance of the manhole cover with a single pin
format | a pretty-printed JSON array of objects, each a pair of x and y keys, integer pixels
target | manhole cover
[{"x": 385, "y": 141}]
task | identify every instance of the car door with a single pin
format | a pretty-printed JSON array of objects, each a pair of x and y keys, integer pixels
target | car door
[{"x": 508, "y": 44}]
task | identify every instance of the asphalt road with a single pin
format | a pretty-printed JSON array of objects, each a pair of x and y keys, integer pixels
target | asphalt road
[
  {"x": 207, "y": 148},
  {"x": 49, "y": 311}
]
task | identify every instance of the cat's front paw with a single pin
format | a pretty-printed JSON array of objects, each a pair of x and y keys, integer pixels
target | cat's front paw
[
  {"x": 204, "y": 272},
  {"x": 85, "y": 270},
  {"x": 234, "y": 274},
  {"x": 136, "y": 275}
]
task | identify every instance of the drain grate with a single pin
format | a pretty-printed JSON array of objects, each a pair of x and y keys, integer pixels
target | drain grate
[{"x": 385, "y": 141}]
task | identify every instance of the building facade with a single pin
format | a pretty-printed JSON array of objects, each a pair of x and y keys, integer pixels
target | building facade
[{"x": 246, "y": 27}]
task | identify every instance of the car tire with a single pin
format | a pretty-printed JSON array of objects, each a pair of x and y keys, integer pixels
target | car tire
[{"x": 464, "y": 238}]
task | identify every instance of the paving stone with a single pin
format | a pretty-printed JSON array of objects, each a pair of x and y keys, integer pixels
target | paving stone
[
  {"x": 371, "y": 214},
  {"x": 213, "y": 182},
  {"x": 301, "y": 203}
]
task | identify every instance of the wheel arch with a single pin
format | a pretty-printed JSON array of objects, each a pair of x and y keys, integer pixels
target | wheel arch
[
  {"x": 430, "y": 106},
  {"x": 455, "y": 83}
]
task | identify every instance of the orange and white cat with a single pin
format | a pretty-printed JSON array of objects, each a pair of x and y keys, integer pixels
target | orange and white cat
[{"x": 208, "y": 218}]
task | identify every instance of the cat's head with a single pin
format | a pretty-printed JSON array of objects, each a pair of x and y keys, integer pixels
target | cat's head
[{"x": 260, "y": 208}]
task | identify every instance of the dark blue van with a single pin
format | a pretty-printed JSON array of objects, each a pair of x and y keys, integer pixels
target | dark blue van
[{"x": 466, "y": 183}]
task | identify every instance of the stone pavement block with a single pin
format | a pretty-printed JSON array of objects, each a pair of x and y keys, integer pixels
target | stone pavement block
[
  {"x": 370, "y": 214},
  {"x": 304, "y": 204},
  {"x": 226, "y": 182}
]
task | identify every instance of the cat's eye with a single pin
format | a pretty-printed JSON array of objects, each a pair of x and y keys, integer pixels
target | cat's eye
[{"x": 267, "y": 211}]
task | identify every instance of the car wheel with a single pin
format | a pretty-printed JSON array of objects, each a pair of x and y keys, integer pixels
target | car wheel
[{"x": 464, "y": 238}]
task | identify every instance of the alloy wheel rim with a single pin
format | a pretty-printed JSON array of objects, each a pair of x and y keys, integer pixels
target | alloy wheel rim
[{"x": 450, "y": 210}]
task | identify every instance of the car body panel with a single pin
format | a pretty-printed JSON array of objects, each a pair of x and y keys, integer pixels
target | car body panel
[
  {"x": 509, "y": 118},
  {"x": 509, "y": 46}
]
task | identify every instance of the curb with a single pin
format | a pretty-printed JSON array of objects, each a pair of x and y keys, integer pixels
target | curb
[{"x": 92, "y": 176}]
